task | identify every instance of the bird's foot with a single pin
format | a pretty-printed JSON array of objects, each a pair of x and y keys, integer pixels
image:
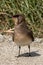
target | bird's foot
[
  {"x": 29, "y": 54},
  {"x": 17, "y": 56}
]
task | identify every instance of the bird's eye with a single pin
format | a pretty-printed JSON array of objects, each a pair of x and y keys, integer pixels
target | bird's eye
[{"x": 20, "y": 19}]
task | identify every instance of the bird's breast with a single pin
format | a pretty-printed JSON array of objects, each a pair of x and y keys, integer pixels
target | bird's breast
[{"x": 21, "y": 38}]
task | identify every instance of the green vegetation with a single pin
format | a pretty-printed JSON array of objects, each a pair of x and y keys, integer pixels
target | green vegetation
[{"x": 32, "y": 9}]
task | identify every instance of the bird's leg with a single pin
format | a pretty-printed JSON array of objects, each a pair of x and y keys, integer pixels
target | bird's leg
[
  {"x": 19, "y": 50},
  {"x": 29, "y": 50}
]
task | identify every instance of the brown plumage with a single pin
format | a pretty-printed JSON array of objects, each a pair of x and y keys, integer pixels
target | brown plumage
[{"x": 22, "y": 35}]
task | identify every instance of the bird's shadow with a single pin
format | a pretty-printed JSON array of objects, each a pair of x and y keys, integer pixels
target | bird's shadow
[{"x": 32, "y": 54}]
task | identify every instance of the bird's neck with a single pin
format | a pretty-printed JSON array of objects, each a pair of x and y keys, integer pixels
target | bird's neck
[{"x": 21, "y": 25}]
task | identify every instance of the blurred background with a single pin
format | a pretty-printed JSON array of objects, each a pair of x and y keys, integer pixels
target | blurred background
[{"x": 32, "y": 9}]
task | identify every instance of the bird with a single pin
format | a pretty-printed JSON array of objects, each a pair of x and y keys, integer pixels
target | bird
[{"x": 22, "y": 35}]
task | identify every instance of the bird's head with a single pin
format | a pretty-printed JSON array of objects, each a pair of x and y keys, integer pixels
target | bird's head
[{"x": 18, "y": 19}]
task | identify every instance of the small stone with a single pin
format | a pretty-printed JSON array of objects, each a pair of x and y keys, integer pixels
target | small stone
[{"x": 1, "y": 38}]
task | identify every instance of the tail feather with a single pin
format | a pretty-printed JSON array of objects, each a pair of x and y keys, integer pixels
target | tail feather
[{"x": 32, "y": 36}]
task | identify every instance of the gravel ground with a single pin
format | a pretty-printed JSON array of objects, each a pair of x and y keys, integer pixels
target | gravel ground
[{"x": 9, "y": 53}]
